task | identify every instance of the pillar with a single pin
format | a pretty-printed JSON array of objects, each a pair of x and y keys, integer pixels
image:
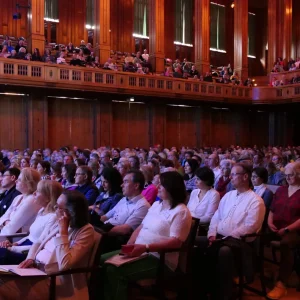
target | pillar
[
  {"x": 36, "y": 30},
  {"x": 170, "y": 50},
  {"x": 241, "y": 38},
  {"x": 202, "y": 35},
  {"x": 156, "y": 35},
  {"x": 102, "y": 30},
  {"x": 287, "y": 29},
  {"x": 272, "y": 13},
  {"x": 296, "y": 29}
]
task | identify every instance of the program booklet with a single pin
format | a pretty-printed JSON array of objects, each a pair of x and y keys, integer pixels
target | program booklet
[
  {"x": 8, "y": 269},
  {"x": 119, "y": 260}
]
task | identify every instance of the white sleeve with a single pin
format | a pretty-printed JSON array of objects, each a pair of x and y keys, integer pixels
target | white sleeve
[
  {"x": 211, "y": 208},
  {"x": 181, "y": 225},
  {"x": 5, "y": 217}
]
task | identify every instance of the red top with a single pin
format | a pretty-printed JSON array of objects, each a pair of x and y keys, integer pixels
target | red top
[{"x": 285, "y": 209}]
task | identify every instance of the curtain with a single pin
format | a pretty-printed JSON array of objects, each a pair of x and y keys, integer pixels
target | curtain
[
  {"x": 251, "y": 34},
  {"x": 141, "y": 17},
  {"x": 90, "y": 12},
  {"x": 217, "y": 26},
  {"x": 184, "y": 21},
  {"x": 51, "y": 9}
]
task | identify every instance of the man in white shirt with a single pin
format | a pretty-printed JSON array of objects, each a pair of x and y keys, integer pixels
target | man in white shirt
[
  {"x": 128, "y": 214},
  {"x": 213, "y": 163},
  {"x": 240, "y": 212}
]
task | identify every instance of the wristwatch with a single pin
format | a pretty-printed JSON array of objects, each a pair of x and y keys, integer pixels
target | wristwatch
[
  {"x": 286, "y": 230},
  {"x": 147, "y": 248}
]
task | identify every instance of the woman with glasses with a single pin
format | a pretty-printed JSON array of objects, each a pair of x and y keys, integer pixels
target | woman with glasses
[
  {"x": 259, "y": 179},
  {"x": 46, "y": 196},
  {"x": 65, "y": 245},
  {"x": 23, "y": 210},
  {"x": 284, "y": 222}
]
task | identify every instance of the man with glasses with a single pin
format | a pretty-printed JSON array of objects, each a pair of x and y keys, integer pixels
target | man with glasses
[
  {"x": 8, "y": 183},
  {"x": 240, "y": 212}
]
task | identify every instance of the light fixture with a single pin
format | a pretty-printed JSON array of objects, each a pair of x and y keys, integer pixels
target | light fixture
[
  {"x": 131, "y": 99},
  {"x": 232, "y": 4}
]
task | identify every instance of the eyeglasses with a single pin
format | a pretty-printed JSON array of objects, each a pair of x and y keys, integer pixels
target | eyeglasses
[
  {"x": 56, "y": 207},
  {"x": 235, "y": 174},
  {"x": 289, "y": 175},
  {"x": 5, "y": 175},
  {"x": 77, "y": 174},
  {"x": 254, "y": 176}
]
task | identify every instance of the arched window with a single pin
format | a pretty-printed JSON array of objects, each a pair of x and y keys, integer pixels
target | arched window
[
  {"x": 141, "y": 18},
  {"x": 217, "y": 27},
  {"x": 51, "y": 10},
  {"x": 90, "y": 14},
  {"x": 184, "y": 17}
]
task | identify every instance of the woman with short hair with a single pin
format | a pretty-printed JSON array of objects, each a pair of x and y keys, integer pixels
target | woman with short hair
[
  {"x": 204, "y": 200},
  {"x": 44, "y": 168},
  {"x": 68, "y": 173},
  {"x": 166, "y": 226}
]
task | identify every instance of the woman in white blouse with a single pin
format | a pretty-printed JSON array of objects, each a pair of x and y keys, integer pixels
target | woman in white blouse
[
  {"x": 46, "y": 196},
  {"x": 166, "y": 226},
  {"x": 23, "y": 210},
  {"x": 204, "y": 200}
]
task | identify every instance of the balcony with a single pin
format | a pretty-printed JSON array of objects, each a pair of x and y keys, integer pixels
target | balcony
[{"x": 36, "y": 74}]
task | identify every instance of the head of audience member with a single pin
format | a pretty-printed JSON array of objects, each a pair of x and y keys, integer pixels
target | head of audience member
[
  {"x": 205, "y": 178},
  {"x": 258, "y": 159},
  {"x": 134, "y": 162},
  {"x": 83, "y": 175},
  {"x": 105, "y": 156},
  {"x": 172, "y": 188},
  {"x": 123, "y": 167},
  {"x": 259, "y": 176},
  {"x": 79, "y": 162},
  {"x": 94, "y": 157},
  {"x": 277, "y": 160},
  {"x": 188, "y": 155},
  {"x": 9, "y": 178},
  {"x": 148, "y": 173},
  {"x": 174, "y": 157},
  {"x": 241, "y": 177},
  {"x": 34, "y": 163},
  {"x": 68, "y": 173},
  {"x": 198, "y": 159},
  {"x": 73, "y": 204},
  {"x": 28, "y": 181},
  {"x": 44, "y": 168},
  {"x": 190, "y": 167},
  {"x": 226, "y": 166},
  {"x": 271, "y": 168},
  {"x": 154, "y": 164},
  {"x": 47, "y": 193},
  {"x": 47, "y": 153},
  {"x": 292, "y": 174},
  {"x": 213, "y": 161},
  {"x": 116, "y": 153},
  {"x": 133, "y": 183},
  {"x": 68, "y": 159},
  {"x": 111, "y": 181},
  {"x": 56, "y": 170},
  {"x": 95, "y": 167},
  {"x": 15, "y": 162}
]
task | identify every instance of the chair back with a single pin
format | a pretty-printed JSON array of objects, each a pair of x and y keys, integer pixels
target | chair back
[{"x": 186, "y": 254}]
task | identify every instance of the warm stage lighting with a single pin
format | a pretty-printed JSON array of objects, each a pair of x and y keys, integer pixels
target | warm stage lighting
[{"x": 232, "y": 5}]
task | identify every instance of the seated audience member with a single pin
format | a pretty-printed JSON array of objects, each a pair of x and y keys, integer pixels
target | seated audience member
[
  {"x": 174, "y": 157},
  {"x": 240, "y": 212},
  {"x": 25, "y": 162},
  {"x": 111, "y": 194},
  {"x": 145, "y": 55},
  {"x": 22, "y": 53},
  {"x": 13, "y": 54},
  {"x": 134, "y": 162},
  {"x": 284, "y": 222},
  {"x": 275, "y": 177},
  {"x": 95, "y": 167},
  {"x": 23, "y": 210},
  {"x": 128, "y": 214},
  {"x": 168, "y": 72},
  {"x": 138, "y": 58},
  {"x": 44, "y": 168},
  {"x": 28, "y": 56},
  {"x": 248, "y": 82},
  {"x": 123, "y": 167},
  {"x": 46, "y": 196},
  {"x": 150, "y": 190},
  {"x": 213, "y": 163},
  {"x": 20, "y": 45},
  {"x": 259, "y": 179},
  {"x": 47, "y": 57},
  {"x": 208, "y": 77},
  {"x": 65, "y": 245},
  {"x": 177, "y": 73},
  {"x": 154, "y": 164},
  {"x": 204, "y": 199},
  {"x": 224, "y": 181},
  {"x": 115, "y": 156},
  {"x": 194, "y": 72},
  {"x": 56, "y": 170},
  {"x": 190, "y": 167},
  {"x": 36, "y": 56},
  {"x": 83, "y": 178},
  {"x": 68, "y": 175},
  {"x": 235, "y": 78},
  {"x": 8, "y": 186},
  {"x": 166, "y": 226},
  {"x": 4, "y": 53},
  {"x": 278, "y": 161},
  {"x": 61, "y": 59},
  {"x": 70, "y": 48},
  {"x": 258, "y": 160},
  {"x": 9, "y": 46}
]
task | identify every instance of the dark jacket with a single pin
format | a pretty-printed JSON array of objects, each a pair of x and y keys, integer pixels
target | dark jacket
[
  {"x": 6, "y": 199},
  {"x": 90, "y": 192}
]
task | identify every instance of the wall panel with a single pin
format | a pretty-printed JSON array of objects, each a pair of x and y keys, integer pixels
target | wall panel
[{"x": 70, "y": 122}]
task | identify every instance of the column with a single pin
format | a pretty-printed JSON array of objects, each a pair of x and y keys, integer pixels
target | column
[
  {"x": 241, "y": 38},
  {"x": 202, "y": 35},
  {"x": 287, "y": 29},
  {"x": 156, "y": 34},
  {"x": 170, "y": 49},
  {"x": 296, "y": 29},
  {"x": 102, "y": 29},
  {"x": 36, "y": 30},
  {"x": 272, "y": 13}
]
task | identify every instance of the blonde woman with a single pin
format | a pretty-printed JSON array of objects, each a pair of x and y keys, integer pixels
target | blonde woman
[
  {"x": 46, "y": 196},
  {"x": 23, "y": 210}
]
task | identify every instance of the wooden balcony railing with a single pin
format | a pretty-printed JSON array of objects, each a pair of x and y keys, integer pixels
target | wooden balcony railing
[{"x": 36, "y": 74}]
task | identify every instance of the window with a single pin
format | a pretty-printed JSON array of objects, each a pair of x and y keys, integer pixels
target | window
[
  {"x": 251, "y": 34},
  {"x": 184, "y": 18},
  {"x": 217, "y": 27},
  {"x": 51, "y": 11},
  {"x": 90, "y": 14},
  {"x": 141, "y": 18}
]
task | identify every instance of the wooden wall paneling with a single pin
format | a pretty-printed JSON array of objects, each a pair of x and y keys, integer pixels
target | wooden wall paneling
[
  {"x": 205, "y": 127},
  {"x": 120, "y": 124},
  {"x": 103, "y": 123},
  {"x": 172, "y": 127},
  {"x": 37, "y": 133},
  {"x": 71, "y": 122},
  {"x": 158, "y": 125},
  {"x": 13, "y": 122},
  {"x": 187, "y": 127}
]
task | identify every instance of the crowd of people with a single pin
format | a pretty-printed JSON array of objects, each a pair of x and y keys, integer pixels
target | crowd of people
[{"x": 143, "y": 200}]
